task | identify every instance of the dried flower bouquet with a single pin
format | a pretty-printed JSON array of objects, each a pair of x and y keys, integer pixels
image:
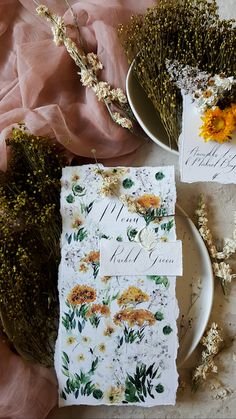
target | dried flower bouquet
[
  {"x": 30, "y": 229},
  {"x": 188, "y": 31}
]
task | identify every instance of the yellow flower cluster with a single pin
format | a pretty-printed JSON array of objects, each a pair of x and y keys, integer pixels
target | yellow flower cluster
[
  {"x": 142, "y": 203},
  {"x": 92, "y": 257},
  {"x": 134, "y": 317},
  {"x": 81, "y": 294},
  {"x": 218, "y": 125},
  {"x": 98, "y": 309},
  {"x": 133, "y": 295}
]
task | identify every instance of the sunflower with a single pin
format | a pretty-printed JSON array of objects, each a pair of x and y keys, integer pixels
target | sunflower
[
  {"x": 149, "y": 201},
  {"x": 81, "y": 294},
  {"x": 133, "y": 295},
  {"x": 218, "y": 125}
]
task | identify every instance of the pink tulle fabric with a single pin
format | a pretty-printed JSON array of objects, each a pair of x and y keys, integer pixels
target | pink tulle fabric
[{"x": 39, "y": 85}]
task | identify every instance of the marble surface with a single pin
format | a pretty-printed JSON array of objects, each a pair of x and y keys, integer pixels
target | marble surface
[{"x": 205, "y": 403}]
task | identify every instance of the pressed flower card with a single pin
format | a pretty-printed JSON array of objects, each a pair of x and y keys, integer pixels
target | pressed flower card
[
  {"x": 205, "y": 161},
  {"x": 117, "y": 341}
]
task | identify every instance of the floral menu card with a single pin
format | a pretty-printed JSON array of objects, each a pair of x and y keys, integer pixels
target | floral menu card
[{"x": 117, "y": 340}]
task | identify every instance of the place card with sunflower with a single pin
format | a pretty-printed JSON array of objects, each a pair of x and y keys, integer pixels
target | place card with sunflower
[{"x": 208, "y": 139}]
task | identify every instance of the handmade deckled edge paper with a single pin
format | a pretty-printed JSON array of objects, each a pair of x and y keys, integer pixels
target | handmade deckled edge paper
[{"x": 174, "y": 375}]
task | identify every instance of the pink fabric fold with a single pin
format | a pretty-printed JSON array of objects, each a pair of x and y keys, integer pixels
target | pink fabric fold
[
  {"x": 27, "y": 391},
  {"x": 39, "y": 85}
]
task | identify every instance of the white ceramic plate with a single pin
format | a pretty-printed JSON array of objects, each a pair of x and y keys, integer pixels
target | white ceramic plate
[
  {"x": 145, "y": 112},
  {"x": 194, "y": 290}
]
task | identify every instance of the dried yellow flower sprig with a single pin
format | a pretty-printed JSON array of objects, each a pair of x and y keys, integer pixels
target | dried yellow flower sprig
[
  {"x": 30, "y": 229},
  {"x": 90, "y": 66},
  {"x": 221, "y": 269},
  {"x": 189, "y": 31},
  {"x": 212, "y": 341},
  {"x": 111, "y": 180}
]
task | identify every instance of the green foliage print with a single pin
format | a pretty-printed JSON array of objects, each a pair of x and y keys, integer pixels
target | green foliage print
[
  {"x": 167, "y": 226},
  {"x": 154, "y": 213},
  {"x": 81, "y": 383},
  {"x": 75, "y": 317},
  {"x": 79, "y": 235},
  {"x": 140, "y": 385},
  {"x": 159, "y": 280},
  {"x": 130, "y": 335}
]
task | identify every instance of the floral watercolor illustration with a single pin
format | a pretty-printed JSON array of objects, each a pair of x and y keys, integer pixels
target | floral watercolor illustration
[{"x": 117, "y": 340}]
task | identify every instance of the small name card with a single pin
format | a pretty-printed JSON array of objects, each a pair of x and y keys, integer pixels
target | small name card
[
  {"x": 202, "y": 161},
  {"x": 130, "y": 258}
]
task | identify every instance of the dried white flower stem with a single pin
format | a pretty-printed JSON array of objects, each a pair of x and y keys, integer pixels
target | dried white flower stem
[
  {"x": 89, "y": 65},
  {"x": 221, "y": 269},
  {"x": 212, "y": 341}
]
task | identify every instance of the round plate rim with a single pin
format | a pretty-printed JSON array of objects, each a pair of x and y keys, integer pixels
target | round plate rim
[{"x": 200, "y": 241}]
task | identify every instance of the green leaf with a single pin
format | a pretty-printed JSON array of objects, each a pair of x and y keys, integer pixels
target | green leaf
[
  {"x": 78, "y": 190},
  {"x": 159, "y": 316},
  {"x": 149, "y": 370},
  {"x": 65, "y": 356},
  {"x": 81, "y": 234},
  {"x": 167, "y": 226},
  {"x": 167, "y": 330},
  {"x": 97, "y": 394},
  {"x": 63, "y": 395},
  {"x": 94, "y": 365},
  {"x": 127, "y": 183},
  {"x": 89, "y": 207},
  {"x": 131, "y": 379},
  {"x": 119, "y": 239},
  {"x": 155, "y": 373},
  {"x": 104, "y": 236},
  {"x": 68, "y": 238},
  {"x": 159, "y": 280},
  {"x": 77, "y": 393},
  {"x": 159, "y": 176},
  {"x": 131, "y": 233},
  {"x": 83, "y": 208},
  {"x": 159, "y": 388},
  {"x": 70, "y": 199}
]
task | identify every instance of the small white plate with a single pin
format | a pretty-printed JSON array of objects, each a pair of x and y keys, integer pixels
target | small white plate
[
  {"x": 194, "y": 290},
  {"x": 145, "y": 112}
]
